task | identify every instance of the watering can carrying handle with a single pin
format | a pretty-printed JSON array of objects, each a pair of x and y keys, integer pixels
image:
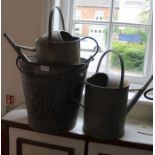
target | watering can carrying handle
[
  {"x": 63, "y": 27},
  {"x": 146, "y": 94},
  {"x": 50, "y": 21},
  {"x": 121, "y": 62}
]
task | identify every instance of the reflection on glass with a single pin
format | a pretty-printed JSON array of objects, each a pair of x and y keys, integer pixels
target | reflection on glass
[
  {"x": 130, "y": 42},
  {"x": 98, "y": 32},
  {"x": 132, "y": 11},
  {"x": 98, "y": 10}
]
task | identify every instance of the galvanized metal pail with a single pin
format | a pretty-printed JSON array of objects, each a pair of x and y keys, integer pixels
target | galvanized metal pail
[
  {"x": 105, "y": 107},
  {"x": 50, "y": 92}
]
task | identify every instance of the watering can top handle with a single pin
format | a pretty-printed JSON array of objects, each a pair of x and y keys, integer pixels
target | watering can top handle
[
  {"x": 50, "y": 21},
  {"x": 121, "y": 62},
  {"x": 97, "y": 49}
]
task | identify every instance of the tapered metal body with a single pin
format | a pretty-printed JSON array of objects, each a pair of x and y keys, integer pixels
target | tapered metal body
[
  {"x": 106, "y": 103},
  {"x": 52, "y": 94}
]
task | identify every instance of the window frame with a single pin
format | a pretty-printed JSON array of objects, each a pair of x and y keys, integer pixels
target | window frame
[{"x": 68, "y": 5}]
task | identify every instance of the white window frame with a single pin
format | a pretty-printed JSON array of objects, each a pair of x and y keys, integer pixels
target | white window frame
[{"x": 67, "y": 7}]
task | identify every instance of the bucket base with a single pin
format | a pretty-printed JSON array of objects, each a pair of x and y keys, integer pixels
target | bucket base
[{"x": 50, "y": 128}]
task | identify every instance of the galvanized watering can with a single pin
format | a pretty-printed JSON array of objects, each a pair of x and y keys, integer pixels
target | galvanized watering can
[
  {"x": 58, "y": 47},
  {"x": 106, "y": 105}
]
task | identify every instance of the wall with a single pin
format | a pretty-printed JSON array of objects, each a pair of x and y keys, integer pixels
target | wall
[{"x": 23, "y": 20}]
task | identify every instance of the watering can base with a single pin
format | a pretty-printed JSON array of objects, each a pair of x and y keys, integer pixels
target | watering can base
[{"x": 102, "y": 136}]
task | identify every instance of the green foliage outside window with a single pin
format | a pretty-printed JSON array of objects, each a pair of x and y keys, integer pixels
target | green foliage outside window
[{"x": 132, "y": 54}]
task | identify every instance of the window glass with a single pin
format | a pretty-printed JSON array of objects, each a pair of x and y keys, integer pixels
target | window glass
[
  {"x": 93, "y": 9},
  {"x": 132, "y": 11},
  {"x": 78, "y": 14},
  {"x": 78, "y": 30},
  {"x": 122, "y": 25},
  {"x": 131, "y": 43},
  {"x": 99, "y": 15},
  {"x": 99, "y": 32}
]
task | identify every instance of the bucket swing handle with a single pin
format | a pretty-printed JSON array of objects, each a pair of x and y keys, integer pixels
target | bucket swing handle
[
  {"x": 50, "y": 21},
  {"x": 121, "y": 62},
  {"x": 96, "y": 50}
]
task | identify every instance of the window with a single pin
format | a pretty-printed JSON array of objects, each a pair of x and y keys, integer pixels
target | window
[
  {"x": 77, "y": 30},
  {"x": 126, "y": 28},
  {"x": 97, "y": 32},
  {"x": 99, "y": 15}
]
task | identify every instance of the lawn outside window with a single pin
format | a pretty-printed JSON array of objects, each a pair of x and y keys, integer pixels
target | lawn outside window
[{"x": 122, "y": 25}]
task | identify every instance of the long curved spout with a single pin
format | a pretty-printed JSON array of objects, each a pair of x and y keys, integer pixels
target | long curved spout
[
  {"x": 134, "y": 100},
  {"x": 12, "y": 43},
  {"x": 18, "y": 48}
]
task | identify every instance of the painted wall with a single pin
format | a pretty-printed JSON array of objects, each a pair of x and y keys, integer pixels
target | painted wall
[{"x": 24, "y": 21}]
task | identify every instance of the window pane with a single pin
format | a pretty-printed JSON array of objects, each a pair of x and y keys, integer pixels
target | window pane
[
  {"x": 98, "y": 32},
  {"x": 130, "y": 42},
  {"x": 92, "y": 10},
  {"x": 132, "y": 11}
]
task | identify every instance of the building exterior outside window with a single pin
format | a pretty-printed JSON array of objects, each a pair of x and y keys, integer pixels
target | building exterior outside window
[
  {"x": 99, "y": 15},
  {"x": 122, "y": 25}
]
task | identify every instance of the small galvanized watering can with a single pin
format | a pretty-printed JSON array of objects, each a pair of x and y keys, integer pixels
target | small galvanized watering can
[
  {"x": 106, "y": 105},
  {"x": 59, "y": 47}
]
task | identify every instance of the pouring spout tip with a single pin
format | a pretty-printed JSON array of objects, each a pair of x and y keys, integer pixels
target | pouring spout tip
[{"x": 4, "y": 34}]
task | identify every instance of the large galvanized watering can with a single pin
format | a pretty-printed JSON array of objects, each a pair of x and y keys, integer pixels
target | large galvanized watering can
[
  {"x": 58, "y": 47},
  {"x": 106, "y": 105}
]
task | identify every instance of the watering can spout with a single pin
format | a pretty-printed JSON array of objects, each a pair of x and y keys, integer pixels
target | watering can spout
[
  {"x": 134, "y": 100},
  {"x": 18, "y": 48},
  {"x": 15, "y": 46}
]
